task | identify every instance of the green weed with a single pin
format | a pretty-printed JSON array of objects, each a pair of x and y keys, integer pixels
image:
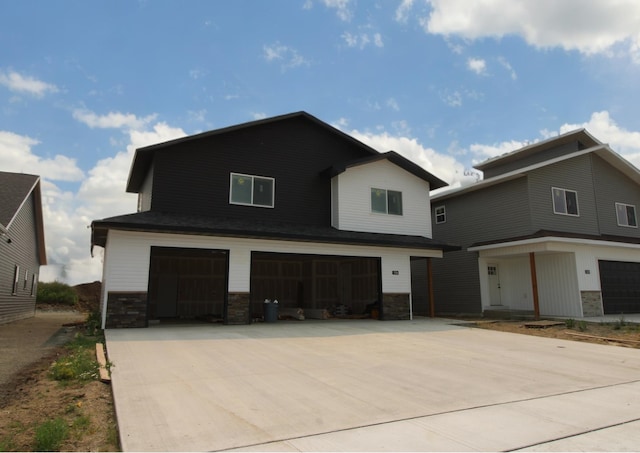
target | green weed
[
  {"x": 570, "y": 323},
  {"x": 582, "y": 326},
  {"x": 51, "y": 434}
]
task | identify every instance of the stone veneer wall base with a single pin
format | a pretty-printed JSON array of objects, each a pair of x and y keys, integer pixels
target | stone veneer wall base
[
  {"x": 396, "y": 306},
  {"x": 591, "y": 303},
  {"x": 238, "y": 309}
]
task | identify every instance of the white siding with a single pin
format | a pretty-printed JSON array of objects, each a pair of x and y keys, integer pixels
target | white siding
[
  {"x": 558, "y": 291},
  {"x": 353, "y": 190},
  {"x": 126, "y": 267}
]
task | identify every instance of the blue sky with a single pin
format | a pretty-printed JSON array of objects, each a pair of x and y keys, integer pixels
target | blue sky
[{"x": 447, "y": 83}]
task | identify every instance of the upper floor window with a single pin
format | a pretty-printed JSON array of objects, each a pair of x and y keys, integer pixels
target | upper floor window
[
  {"x": 626, "y": 214},
  {"x": 252, "y": 190},
  {"x": 386, "y": 201},
  {"x": 441, "y": 214},
  {"x": 565, "y": 201}
]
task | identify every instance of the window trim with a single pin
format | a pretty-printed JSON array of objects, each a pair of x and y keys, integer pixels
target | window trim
[
  {"x": 553, "y": 201},
  {"x": 626, "y": 205},
  {"x": 252, "y": 177},
  {"x": 442, "y": 214},
  {"x": 386, "y": 202},
  {"x": 25, "y": 280}
]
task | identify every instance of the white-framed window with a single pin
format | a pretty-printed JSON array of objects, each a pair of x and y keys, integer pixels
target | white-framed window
[
  {"x": 26, "y": 279},
  {"x": 34, "y": 284},
  {"x": 16, "y": 279},
  {"x": 565, "y": 201},
  {"x": 385, "y": 201},
  {"x": 626, "y": 214},
  {"x": 441, "y": 214},
  {"x": 252, "y": 190}
]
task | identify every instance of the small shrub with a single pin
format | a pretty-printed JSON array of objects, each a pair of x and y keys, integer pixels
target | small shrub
[
  {"x": 94, "y": 321},
  {"x": 51, "y": 434},
  {"x": 570, "y": 323},
  {"x": 582, "y": 326},
  {"x": 56, "y": 293}
]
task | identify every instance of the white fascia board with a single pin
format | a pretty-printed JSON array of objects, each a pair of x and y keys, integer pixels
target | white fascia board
[{"x": 556, "y": 240}]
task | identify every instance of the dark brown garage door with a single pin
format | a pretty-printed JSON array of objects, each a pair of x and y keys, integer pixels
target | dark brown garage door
[{"x": 620, "y": 282}]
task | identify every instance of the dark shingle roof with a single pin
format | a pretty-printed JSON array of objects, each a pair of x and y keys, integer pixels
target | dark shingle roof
[
  {"x": 217, "y": 226},
  {"x": 14, "y": 189}
]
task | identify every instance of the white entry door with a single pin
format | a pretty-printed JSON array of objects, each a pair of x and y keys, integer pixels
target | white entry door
[{"x": 494, "y": 284}]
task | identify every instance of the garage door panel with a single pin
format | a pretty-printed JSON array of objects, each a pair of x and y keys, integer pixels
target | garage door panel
[{"x": 620, "y": 283}]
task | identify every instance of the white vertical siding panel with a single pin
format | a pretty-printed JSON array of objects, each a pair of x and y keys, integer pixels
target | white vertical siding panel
[
  {"x": 558, "y": 290},
  {"x": 355, "y": 200},
  {"x": 515, "y": 281},
  {"x": 335, "y": 197}
]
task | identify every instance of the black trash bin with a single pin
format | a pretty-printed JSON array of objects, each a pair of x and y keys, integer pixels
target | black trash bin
[{"x": 270, "y": 311}]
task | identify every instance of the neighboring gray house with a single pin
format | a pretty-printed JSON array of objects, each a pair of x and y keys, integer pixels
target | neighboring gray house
[
  {"x": 552, "y": 229},
  {"x": 22, "y": 249}
]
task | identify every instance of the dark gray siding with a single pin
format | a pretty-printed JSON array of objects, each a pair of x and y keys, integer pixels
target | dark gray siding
[
  {"x": 572, "y": 174},
  {"x": 22, "y": 251},
  {"x": 497, "y": 212},
  {"x": 536, "y": 158},
  {"x": 611, "y": 187},
  {"x": 193, "y": 177}
]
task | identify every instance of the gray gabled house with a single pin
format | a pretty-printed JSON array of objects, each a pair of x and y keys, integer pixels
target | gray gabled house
[
  {"x": 22, "y": 248},
  {"x": 551, "y": 229}
]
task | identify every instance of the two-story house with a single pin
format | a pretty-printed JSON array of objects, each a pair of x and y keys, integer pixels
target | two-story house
[
  {"x": 22, "y": 247},
  {"x": 285, "y": 208},
  {"x": 551, "y": 229}
]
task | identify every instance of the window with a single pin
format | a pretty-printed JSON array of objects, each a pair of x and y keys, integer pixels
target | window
[
  {"x": 626, "y": 214},
  {"x": 34, "y": 284},
  {"x": 565, "y": 201},
  {"x": 251, "y": 190},
  {"x": 16, "y": 278},
  {"x": 386, "y": 201},
  {"x": 441, "y": 214},
  {"x": 26, "y": 279}
]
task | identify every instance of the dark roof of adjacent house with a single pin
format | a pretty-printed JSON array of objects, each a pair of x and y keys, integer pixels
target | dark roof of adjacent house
[
  {"x": 144, "y": 156},
  {"x": 394, "y": 157},
  {"x": 151, "y": 221},
  {"x": 584, "y": 139},
  {"x": 15, "y": 189}
]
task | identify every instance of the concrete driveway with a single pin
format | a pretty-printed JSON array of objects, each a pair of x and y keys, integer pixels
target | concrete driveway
[{"x": 423, "y": 385}]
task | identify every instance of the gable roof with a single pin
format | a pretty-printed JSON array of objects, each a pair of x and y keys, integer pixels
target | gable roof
[
  {"x": 397, "y": 159},
  {"x": 144, "y": 156},
  {"x": 584, "y": 138},
  {"x": 611, "y": 157},
  {"x": 15, "y": 190}
]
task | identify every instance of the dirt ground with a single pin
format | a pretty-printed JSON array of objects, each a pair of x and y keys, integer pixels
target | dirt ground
[
  {"x": 615, "y": 334},
  {"x": 30, "y": 396}
]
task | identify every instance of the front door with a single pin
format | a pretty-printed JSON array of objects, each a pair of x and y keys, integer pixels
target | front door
[{"x": 494, "y": 284}]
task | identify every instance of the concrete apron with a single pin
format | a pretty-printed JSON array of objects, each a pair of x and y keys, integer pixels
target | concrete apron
[{"x": 423, "y": 385}]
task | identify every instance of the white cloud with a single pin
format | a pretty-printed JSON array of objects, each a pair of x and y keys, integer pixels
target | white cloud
[
  {"x": 393, "y": 104},
  {"x": 589, "y": 27},
  {"x": 288, "y": 56},
  {"x": 16, "y": 156},
  {"x": 19, "y": 83},
  {"x": 477, "y": 65},
  {"x": 342, "y": 7},
  {"x": 112, "y": 120},
  {"x": 452, "y": 99},
  {"x": 403, "y": 11},
  {"x": 362, "y": 40},
  {"x": 505, "y": 64},
  {"x": 497, "y": 149}
]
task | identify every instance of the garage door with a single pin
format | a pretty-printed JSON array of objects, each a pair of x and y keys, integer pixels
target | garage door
[{"x": 620, "y": 283}]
